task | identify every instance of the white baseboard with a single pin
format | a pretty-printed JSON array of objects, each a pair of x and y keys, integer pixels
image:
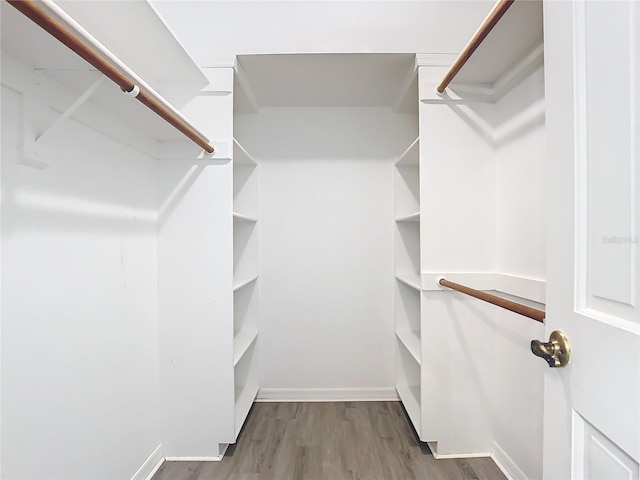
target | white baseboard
[
  {"x": 150, "y": 466},
  {"x": 194, "y": 459},
  {"x": 433, "y": 446},
  {"x": 504, "y": 463},
  {"x": 461, "y": 455},
  {"x": 222, "y": 449},
  {"x": 326, "y": 394}
]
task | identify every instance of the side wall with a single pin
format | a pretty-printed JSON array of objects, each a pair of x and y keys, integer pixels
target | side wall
[
  {"x": 326, "y": 248},
  {"x": 79, "y": 299},
  {"x": 482, "y": 225}
]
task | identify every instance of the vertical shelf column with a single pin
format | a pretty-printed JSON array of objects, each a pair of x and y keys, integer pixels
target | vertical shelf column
[
  {"x": 245, "y": 283},
  {"x": 407, "y": 285}
]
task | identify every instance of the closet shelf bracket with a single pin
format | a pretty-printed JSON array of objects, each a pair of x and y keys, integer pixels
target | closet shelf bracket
[{"x": 33, "y": 141}]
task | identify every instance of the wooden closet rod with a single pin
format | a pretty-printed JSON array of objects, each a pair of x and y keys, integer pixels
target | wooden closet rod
[
  {"x": 494, "y": 16},
  {"x": 87, "y": 47},
  {"x": 534, "y": 313}
]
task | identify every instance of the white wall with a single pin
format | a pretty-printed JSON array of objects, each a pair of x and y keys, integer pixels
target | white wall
[
  {"x": 220, "y": 29},
  {"x": 326, "y": 245},
  {"x": 520, "y": 241},
  {"x": 79, "y": 332}
]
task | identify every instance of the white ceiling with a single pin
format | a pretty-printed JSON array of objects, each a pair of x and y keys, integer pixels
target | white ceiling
[
  {"x": 215, "y": 30},
  {"x": 325, "y": 80}
]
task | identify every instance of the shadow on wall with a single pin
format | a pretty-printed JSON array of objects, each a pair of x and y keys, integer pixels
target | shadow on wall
[{"x": 511, "y": 116}]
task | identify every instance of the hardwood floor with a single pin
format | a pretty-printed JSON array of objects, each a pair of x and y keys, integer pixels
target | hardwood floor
[{"x": 329, "y": 441}]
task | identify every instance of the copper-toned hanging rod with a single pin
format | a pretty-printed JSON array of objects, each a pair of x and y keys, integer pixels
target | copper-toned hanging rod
[
  {"x": 36, "y": 10},
  {"x": 534, "y": 313},
  {"x": 494, "y": 17}
]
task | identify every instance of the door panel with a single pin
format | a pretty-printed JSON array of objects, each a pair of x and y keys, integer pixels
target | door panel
[
  {"x": 592, "y": 406},
  {"x": 597, "y": 457},
  {"x": 606, "y": 89}
]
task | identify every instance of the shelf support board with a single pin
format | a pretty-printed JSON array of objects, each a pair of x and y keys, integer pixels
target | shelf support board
[{"x": 33, "y": 141}]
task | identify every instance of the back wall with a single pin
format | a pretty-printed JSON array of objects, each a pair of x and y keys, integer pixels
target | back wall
[{"x": 326, "y": 248}]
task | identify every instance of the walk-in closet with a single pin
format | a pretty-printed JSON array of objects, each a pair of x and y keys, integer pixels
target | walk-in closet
[{"x": 232, "y": 248}]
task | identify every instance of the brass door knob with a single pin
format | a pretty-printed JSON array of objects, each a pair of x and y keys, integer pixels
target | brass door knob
[{"x": 557, "y": 351}]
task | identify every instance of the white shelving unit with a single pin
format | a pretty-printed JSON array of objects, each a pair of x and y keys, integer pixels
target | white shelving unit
[
  {"x": 407, "y": 285},
  {"x": 245, "y": 283},
  {"x": 484, "y": 136}
]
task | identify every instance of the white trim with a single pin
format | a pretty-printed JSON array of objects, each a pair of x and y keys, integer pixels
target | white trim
[
  {"x": 506, "y": 464},
  {"x": 150, "y": 466},
  {"x": 435, "y": 59},
  {"x": 194, "y": 459},
  {"x": 326, "y": 394},
  {"x": 461, "y": 455},
  {"x": 433, "y": 446}
]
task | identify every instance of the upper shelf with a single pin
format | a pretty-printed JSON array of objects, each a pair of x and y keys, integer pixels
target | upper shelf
[
  {"x": 142, "y": 41},
  {"x": 326, "y": 80},
  {"x": 516, "y": 34}
]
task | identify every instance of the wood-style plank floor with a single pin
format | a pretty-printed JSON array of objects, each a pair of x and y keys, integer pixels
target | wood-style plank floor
[{"x": 329, "y": 441}]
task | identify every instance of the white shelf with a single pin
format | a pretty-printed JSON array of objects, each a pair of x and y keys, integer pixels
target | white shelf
[
  {"x": 411, "y": 341},
  {"x": 241, "y": 343},
  {"x": 514, "y": 36},
  {"x": 59, "y": 64},
  {"x": 410, "y": 394},
  {"x": 245, "y": 396},
  {"x": 243, "y": 282},
  {"x": 241, "y": 156},
  {"x": 412, "y": 217},
  {"x": 410, "y": 279},
  {"x": 411, "y": 155},
  {"x": 240, "y": 217}
]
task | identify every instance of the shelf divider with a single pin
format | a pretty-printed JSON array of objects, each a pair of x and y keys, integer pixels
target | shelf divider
[
  {"x": 411, "y": 342},
  {"x": 410, "y": 155},
  {"x": 243, "y": 282},
  {"x": 412, "y": 217},
  {"x": 241, "y": 343},
  {"x": 241, "y": 217},
  {"x": 411, "y": 280},
  {"x": 244, "y": 158}
]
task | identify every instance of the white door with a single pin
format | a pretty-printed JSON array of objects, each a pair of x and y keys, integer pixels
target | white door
[{"x": 592, "y": 406}]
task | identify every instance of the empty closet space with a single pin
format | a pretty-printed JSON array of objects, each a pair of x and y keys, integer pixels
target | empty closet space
[{"x": 325, "y": 139}]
